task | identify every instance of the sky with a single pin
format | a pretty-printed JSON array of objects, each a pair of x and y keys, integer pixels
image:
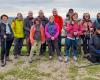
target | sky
[{"x": 12, "y": 7}]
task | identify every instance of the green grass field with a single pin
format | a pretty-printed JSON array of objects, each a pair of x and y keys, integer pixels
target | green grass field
[{"x": 45, "y": 69}]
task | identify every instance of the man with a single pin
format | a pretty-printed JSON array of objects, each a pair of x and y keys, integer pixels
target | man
[
  {"x": 44, "y": 21},
  {"x": 28, "y": 22},
  {"x": 58, "y": 19}
]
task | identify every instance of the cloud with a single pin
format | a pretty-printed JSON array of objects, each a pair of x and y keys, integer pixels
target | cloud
[{"x": 11, "y": 7}]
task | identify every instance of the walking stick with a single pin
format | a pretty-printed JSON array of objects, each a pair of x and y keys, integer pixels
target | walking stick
[{"x": 5, "y": 50}]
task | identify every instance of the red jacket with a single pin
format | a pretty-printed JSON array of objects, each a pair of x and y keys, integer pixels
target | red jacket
[
  {"x": 32, "y": 32},
  {"x": 74, "y": 28},
  {"x": 58, "y": 19}
]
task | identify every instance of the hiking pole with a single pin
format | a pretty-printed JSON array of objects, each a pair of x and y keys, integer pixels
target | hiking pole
[{"x": 5, "y": 50}]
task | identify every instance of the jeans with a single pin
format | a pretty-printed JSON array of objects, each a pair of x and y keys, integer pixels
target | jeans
[{"x": 71, "y": 43}]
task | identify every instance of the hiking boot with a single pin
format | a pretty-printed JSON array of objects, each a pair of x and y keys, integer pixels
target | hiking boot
[
  {"x": 50, "y": 57},
  {"x": 15, "y": 56},
  {"x": 67, "y": 60},
  {"x": 8, "y": 59},
  {"x": 3, "y": 63},
  {"x": 60, "y": 58}
]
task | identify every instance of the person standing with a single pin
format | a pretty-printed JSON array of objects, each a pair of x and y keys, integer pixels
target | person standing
[
  {"x": 74, "y": 31},
  {"x": 58, "y": 19},
  {"x": 37, "y": 37},
  {"x": 52, "y": 33},
  {"x": 87, "y": 32},
  {"x": 44, "y": 21},
  {"x": 6, "y": 35},
  {"x": 28, "y": 22},
  {"x": 18, "y": 30}
]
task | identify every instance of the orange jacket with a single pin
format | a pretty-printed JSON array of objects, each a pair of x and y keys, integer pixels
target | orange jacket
[{"x": 32, "y": 32}]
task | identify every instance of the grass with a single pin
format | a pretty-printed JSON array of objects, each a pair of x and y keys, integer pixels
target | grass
[{"x": 50, "y": 70}]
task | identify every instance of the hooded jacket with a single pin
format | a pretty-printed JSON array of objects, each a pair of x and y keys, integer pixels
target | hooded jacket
[{"x": 18, "y": 28}]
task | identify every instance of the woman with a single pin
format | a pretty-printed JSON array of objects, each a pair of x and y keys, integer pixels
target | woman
[
  {"x": 6, "y": 35},
  {"x": 87, "y": 32},
  {"x": 74, "y": 31},
  {"x": 18, "y": 29},
  {"x": 37, "y": 37},
  {"x": 52, "y": 32}
]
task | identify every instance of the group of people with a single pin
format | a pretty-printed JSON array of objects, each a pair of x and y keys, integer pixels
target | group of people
[{"x": 42, "y": 31}]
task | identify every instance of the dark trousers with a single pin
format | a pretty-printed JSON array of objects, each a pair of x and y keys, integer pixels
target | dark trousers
[
  {"x": 18, "y": 43},
  {"x": 59, "y": 42},
  {"x": 28, "y": 44},
  {"x": 5, "y": 48},
  {"x": 55, "y": 42},
  {"x": 43, "y": 49},
  {"x": 85, "y": 40}
]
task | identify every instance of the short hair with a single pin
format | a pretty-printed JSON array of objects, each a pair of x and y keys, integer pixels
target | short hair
[
  {"x": 4, "y": 15},
  {"x": 37, "y": 19}
]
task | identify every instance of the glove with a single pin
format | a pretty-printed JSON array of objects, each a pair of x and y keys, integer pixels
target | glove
[{"x": 98, "y": 51}]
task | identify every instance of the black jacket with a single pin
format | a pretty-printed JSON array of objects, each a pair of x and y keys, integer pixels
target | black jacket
[
  {"x": 27, "y": 25},
  {"x": 3, "y": 32},
  {"x": 44, "y": 20},
  {"x": 94, "y": 44}
]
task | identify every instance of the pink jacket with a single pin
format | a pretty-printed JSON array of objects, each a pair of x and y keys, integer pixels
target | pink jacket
[{"x": 74, "y": 28}]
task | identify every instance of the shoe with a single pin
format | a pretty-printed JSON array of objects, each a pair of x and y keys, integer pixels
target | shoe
[
  {"x": 15, "y": 56},
  {"x": 50, "y": 57},
  {"x": 30, "y": 61},
  {"x": 3, "y": 63},
  {"x": 60, "y": 58},
  {"x": 7, "y": 59},
  {"x": 74, "y": 58},
  {"x": 67, "y": 60}
]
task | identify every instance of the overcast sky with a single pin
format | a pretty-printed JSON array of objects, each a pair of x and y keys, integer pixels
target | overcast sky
[{"x": 11, "y": 7}]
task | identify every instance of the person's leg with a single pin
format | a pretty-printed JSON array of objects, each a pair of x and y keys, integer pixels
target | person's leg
[
  {"x": 68, "y": 45},
  {"x": 75, "y": 46},
  {"x": 50, "y": 48},
  {"x": 28, "y": 44},
  {"x": 55, "y": 42},
  {"x": 8, "y": 47},
  {"x": 20, "y": 45},
  {"x": 16, "y": 47},
  {"x": 2, "y": 53},
  {"x": 32, "y": 51},
  {"x": 38, "y": 49},
  {"x": 43, "y": 49},
  {"x": 59, "y": 42}
]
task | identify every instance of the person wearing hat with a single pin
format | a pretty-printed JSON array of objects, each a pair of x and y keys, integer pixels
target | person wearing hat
[{"x": 94, "y": 44}]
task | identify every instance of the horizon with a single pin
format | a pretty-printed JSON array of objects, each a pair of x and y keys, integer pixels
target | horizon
[{"x": 12, "y": 7}]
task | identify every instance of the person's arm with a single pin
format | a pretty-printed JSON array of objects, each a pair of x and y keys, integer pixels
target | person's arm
[
  {"x": 42, "y": 34},
  {"x": 57, "y": 33},
  {"x": 32, "y": 31},
  {"x": 13, "y": 25},
  {"x": 46, "y": 32}
]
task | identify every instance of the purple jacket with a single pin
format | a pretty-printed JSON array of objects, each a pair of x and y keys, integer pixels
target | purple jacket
[{"x": 48, "y": 35}]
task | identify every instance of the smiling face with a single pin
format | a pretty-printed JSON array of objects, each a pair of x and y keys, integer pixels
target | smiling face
[
  {"x": 54, "y": 12},
  {"x": 51, "y": 19},
  {"x": 86, "y": 16},
  {"x": 19, "y": 16},
  {"x": 5, "y": 19},
  {"x": 75, "y": 17},
  {"x": 30, "y": 14}
]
